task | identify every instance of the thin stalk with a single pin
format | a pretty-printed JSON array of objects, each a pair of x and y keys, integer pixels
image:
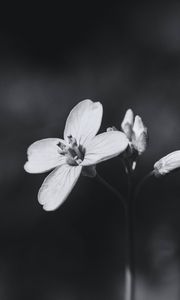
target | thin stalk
[
  {"x": 129, "y": 272},
  {"x": 141, "y": 184},
  {"x": 128, "y": 208},
  {"x": 111, "y": 188}
]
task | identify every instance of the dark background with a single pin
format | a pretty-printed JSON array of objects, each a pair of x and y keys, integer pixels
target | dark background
[{"x": 124, "y": 55}]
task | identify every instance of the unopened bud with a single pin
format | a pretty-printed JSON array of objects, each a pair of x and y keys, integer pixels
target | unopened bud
[
  {"x": 167, "y": 163},
  {"x": 127, "y": 123},
  {"x": 139, "y": 136}
]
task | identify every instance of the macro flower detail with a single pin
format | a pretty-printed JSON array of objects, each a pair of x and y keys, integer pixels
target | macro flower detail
[
  {"x": 79, "y": 152},
  {"x": 167, "y": 164}
]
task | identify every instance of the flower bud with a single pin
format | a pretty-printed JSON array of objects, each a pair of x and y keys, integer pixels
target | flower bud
[
  {"x": 167, "y": 163},
  {"x": 139, "y": 135},
  {"x": 127, "y": 123}
]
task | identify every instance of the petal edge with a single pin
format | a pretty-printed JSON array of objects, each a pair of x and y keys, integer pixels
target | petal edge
[
  {"x": 43, "y": 156},
  {"x": 57, "y": 186},
  {"x": 84, "y": 121},
  {"x": 105, "y": 146}
]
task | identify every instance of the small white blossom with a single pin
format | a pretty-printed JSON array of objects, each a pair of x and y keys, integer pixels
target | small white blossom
[
  {"x": 167, "y": 163},
  {"x": 80, "y": 150}
]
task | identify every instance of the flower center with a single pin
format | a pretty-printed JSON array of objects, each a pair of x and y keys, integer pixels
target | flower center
[{"x": 73, "y": 152}]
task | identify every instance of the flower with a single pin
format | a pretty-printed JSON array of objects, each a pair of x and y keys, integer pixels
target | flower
[
  {"x": 167, "y": 163},
  {"x": 135, "y": 131},
  {"x": 80, "y": 150}
]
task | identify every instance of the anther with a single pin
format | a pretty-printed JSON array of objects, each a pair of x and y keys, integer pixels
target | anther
[{"x": 72, "y": 140}]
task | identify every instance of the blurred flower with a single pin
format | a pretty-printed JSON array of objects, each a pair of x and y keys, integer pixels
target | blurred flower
[
  {"x": 80, "y": 150},
  {"x": 167, "y": 163}
]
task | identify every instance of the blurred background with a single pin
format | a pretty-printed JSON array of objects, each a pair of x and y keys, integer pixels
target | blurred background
[{"x": 124, "y": 55}]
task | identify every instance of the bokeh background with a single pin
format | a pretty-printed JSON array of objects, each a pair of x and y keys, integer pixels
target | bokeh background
[{"x": 124, "y": 55}]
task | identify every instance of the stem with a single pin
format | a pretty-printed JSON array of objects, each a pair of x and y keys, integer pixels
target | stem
[
  {"x": 111, "y": 188},
  {"x": 129, "y": 272},
  {"x": 128, "y": 208},
  {"x": 141, "y": 184}
]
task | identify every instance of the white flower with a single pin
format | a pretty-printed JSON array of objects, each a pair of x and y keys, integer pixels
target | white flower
[
  {"x": 167, "y": 163},
  {"x": 80, "y": 149},
  {"x": 135, "y": 131}
]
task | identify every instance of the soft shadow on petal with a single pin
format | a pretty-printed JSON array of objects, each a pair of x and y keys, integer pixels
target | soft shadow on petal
[
  {"x": 43, "y": 156},
  {"x": 105, "y": 146},
  {"x": 57, "y": 186},
  {"x": 84, "y": 121}
]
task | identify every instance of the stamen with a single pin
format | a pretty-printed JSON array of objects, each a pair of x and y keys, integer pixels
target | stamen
[
  {"x": 79, "y": 161},
  {"x": 61, "y": 145},
  {"x": 72, "y": 151},
  {"x": 74, "y": 146},
  {"x": 72, "y": 141},
  {"x": 62, "y": 148}
]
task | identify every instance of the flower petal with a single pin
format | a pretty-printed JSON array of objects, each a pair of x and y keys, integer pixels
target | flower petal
[
  {"x": 57, "y": 186},
  {"x": 84, "y": 121},
  {"x": 105, "y": 146},
  {"x": 43, "y": 156},
  {"x": 167, "y": 163}
]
